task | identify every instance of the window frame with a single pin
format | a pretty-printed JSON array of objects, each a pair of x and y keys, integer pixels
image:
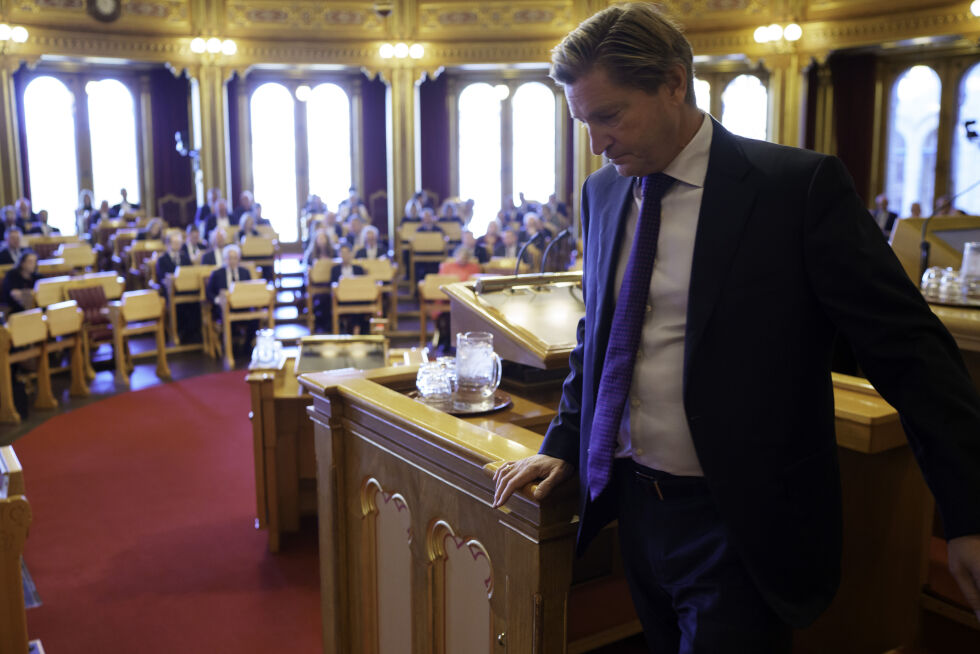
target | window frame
[{"x": 719, "y": 74}]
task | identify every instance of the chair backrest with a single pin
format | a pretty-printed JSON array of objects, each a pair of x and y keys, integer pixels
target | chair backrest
[
  {"x": 50, "y": 290},
  {"x": 267, "y": 231},
  {"x": 380, "y": 270},
  {"x": 4, "y": 268},
  {"x": 452, "y": 229},
  {"x": 77, "y": 255},
  {"x": 174, "y": 209},
  {"x": 429, "y": 287},
  {"x": 112, "y": 285},
  {"x": 319, "y": 272},
  {"x": 407, "y": 230},
  {"x": 91, "y": 299},
  {"x": 53, "y": 266},
  {"x": 258, "y": 246},
  {"x": 43, "y": 248},
  {"x": 27, "y": 327},
  {"x": 63, "y": 318},
  {"x": 429, "y": 243},
  {"x": 253, "y": 293},
  {"x": 187, "y": 279},
  {"x": 122, "y": 239},
  {"x": 141, "y": 305},
  {"x": 357, "y": 289}
]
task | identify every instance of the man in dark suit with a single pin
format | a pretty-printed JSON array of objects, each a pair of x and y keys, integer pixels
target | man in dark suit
[
  {"x": 215, "y": 256},
  {"x": 12, "y": 247},
  {"x": 174, "y": 256},
  {"x": 728, "y": 499},
  {"x": 124, "y": 206},
  {"x": 222, "y": 278},
  {"x": 882, "y": 215},
  {"x": 205, "y": 210},
  {"x": 220, "y": 218}
]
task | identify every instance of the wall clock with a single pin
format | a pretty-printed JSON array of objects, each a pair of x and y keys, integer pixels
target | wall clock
[{"x": 105, "y": 10}]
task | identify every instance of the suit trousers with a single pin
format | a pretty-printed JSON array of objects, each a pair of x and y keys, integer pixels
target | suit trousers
[{"x": 688, "y": 584}]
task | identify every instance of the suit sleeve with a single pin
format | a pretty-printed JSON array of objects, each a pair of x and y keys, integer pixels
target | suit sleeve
[
  {"x": 903, "y": 348},
  {"x": 562, "y": 439}
]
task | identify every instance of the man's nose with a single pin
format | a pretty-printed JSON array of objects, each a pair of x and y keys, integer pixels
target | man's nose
[{"x": 599, "y": 140}]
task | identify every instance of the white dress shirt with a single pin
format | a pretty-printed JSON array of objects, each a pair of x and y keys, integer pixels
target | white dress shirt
[{"x": 654, "y": 431}]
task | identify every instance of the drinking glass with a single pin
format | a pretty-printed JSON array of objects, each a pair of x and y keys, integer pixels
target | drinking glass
[
  {"x": 434, "y": 382},
  {"x": 265, "y": 345},
  {"x": 970, "y": 268},
  {"x": 478, "y": 370}
]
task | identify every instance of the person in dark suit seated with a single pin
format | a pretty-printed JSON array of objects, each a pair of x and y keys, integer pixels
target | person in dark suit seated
[
  {"x": 205, "y": 210},
  {"x": 25, "y": 216},
  {"x": 223, "y": 279},
  {"x": 413, "y": 208},
  {"x": 42, "y": 227},
  {"x": 247, "y": 227},
  {"x": 257, "y": 214},
  {"x": 9, "y": 221},
  {"x": 355, "y": 232},
  {"x": 153, "y": 231},
  {"x": 124, "y": 206},
  {"x": 489, "y": 247},
  {"x": 882, "y": 215},
  {"x": 349, "y": 323},
  {"x": 193, "y": 249},
  {"x": 374, "y": 247},
  {"x": 320, "y": 248},
  {"x": 18, "y": 283},
  {"x": 215, "y": 256},
  {"x": 173, "y": 256},
  {"x": 219, "y": 218},
  {"x": 353, "y": 203},
  {"x": 245, "y": 203},
  {"x": 510, "y": 244},
  {"x": 13, "y": 247}
]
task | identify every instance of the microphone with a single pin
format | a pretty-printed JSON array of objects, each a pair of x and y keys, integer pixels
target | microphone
[
  {"x": 565, "y": 233},
  {"x": 520, "y": 253}
]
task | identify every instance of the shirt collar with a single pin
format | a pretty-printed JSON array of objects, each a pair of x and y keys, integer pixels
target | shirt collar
[{"x": 690, "y": 166}]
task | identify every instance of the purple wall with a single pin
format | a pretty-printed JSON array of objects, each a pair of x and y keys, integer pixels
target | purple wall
[
  {"x": 854, "y": 84},
  {"x": 374, "y": 167},
  {"x": 172, "y": 173},
  {"x": 234, "y": 152},
  {"x": 434, "y": 137}
]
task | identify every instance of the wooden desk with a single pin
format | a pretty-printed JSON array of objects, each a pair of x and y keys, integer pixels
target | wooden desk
[{"x": 15, "y": 519}]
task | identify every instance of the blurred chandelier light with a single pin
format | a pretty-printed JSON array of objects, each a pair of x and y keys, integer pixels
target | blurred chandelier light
[
  {"x": 975, "y": 8},
  {"x": 17, "y": 34},
  {"x": 213, "y": 45},
  {"x": 775, "y": 32},
  {"x": 401, "y": 50}
]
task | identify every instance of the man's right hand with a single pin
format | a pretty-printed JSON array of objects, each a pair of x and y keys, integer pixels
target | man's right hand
[{"x": 517, "y": 474}]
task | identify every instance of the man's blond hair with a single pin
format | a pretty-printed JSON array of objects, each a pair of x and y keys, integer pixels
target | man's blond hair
[{"x": 634, "y": 43}]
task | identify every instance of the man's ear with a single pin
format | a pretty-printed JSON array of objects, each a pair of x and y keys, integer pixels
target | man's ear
[{"x": 676, "y": 81}]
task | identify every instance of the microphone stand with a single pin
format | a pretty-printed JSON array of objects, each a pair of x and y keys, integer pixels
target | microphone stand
[
  {"x": 565, "y": 233},
  {"x": 520, "y": 253}
]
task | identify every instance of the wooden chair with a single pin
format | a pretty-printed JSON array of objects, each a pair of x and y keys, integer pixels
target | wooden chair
[
  {"x": 174, "y": 209},
  {"x": 96, "y": 323},
  {"x": 246, "y": 300},
  {"x": 317, "y": 283},
  {"x": 185, "y": 287},
  {"x": 138, "y": 312},
  {"x": 65, "y": 332},
  {"x": 384, "y": 271},
  {"x": 112, "y": 284},
  {"x": 426, "y": 247},
  {"x": 453, "y": 230},
  {"x": 354, "y": 295},
  {"x": 52, "y": 266},
  {"x": 119, "y": 244},
  {"x": 432, "y": 298},
  {"x": 15, "y": 520},
  {"x": 142, "y": 260},
  {"x": 77, "y": 256},
  {"x": 27, "y": 332},
  {"x": 261, "y": 252},
  {"x": 50, "y": 290},
  {"x": 402, "y": 243}
]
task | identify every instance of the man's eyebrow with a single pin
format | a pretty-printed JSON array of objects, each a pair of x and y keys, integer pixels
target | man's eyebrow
[{"x": 600, "y": 111}]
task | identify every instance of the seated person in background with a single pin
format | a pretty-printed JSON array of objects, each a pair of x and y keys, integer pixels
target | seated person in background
[
  {"x": 18, "y": 283},
  {"x": 9, "y": 222},
  {"x": 353, "y": 203},
  {"x": 86, "y": 207},
  {"x": 350, "y": 323},
  {"x": 447, "y": 212},
  {"x": 245, "y": 202},
  {"x": 462, "y": 265},
  {"x": 532, "y": 230},
  {"x": 41, "y": 226},
  {"x": 102, "y": 215},
  {"x": 488, "y": 247},
  {"x": 124, "y": 207},
  {"x": 223, "y": 279},
  {"x": 374, "y": 247},
  {"x": 171, "y": 258},
  {"x": 315, "y": 205},
  {"x": 915, "y": 211},
  {"x": 427, "y": 219},
  {"x": 334, "y": 230},
  {"x": 193, "y": 249},
  {"x": 12, "y": 247},
  {"x": 219, "y": 218},
  {"x": 511, "y": 247},
  {"x": 153, "y": 231},
  {"x": 882, "y": 215},
  {"x": 355, "y": 232},
  {"x": 247, "y": 227},
  {"x": 205, "y": 210},
  {"x": 257, "y": 214},
  {"x": 944, "y": 207},
  {"x": 320, "y": 248},
  {"x": 413, "y": 207},
  {"x": 22, "y": 208},
  {"x": 493, "y": 227},
  {"x": 478, "y": 251},
  {"x": 215, "y": 256}
]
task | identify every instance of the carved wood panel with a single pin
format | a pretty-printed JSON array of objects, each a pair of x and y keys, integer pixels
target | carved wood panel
[
  {"x": 137, "y": 15},
  {"x": 312, "y": 18},
  {"x": 496, "y": 20}
]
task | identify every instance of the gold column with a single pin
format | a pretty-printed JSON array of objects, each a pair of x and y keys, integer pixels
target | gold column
[
  {"x": 401, "y": 108},
  {"x": 12, "y": 181},
  {"x": 214, "y": 126},
  {"x": 825, "y": 134},
  {"x": 83, "y": 137},
  {"x": 145, "y": 144},
  {"x": 244, "y": 135},
  {"x": 786, "y": 98},
  {"x": 584, "y": 165}
]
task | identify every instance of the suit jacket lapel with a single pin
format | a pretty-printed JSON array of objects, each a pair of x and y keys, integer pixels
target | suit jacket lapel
[
  {"x": 725, "y": 206},
  {"x": 610, "y": 219}
]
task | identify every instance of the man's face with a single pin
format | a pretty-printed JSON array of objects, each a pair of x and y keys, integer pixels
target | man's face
[
  {"x": 194, "y": 237},
  {"x": 13, "y": 240},
  {"x": 175, "y": 242},
  {"x": 233, "y": 258},
  {"x": 639, "y": 132},
  {"x": 345, "y": 255}
]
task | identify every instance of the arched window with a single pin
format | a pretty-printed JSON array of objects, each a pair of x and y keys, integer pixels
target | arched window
[
  {"x": 533, "y": 108},
  {"x": 274, "y": 157},
  {"x": 112, "y": 129},
  {"x": 52, "y": 164},
  {"x": 745, "y": 107},
  {"x": 912, "y": 124},
  {"x": 329, "y": 143},
  {"x": 702, "y": 94},
  {"x": 966, "y": 149},
  {"x": 479, "y": 152}
]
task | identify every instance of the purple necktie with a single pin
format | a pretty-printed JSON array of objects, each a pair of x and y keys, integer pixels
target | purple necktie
[{"x": 624, "y": 337}]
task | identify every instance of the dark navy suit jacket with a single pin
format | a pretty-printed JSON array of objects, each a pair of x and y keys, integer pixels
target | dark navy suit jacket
[{"x": 784, "y": 252}]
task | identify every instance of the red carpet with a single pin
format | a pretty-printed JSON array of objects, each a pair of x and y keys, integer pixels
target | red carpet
[{"x": 143, "y": 538}]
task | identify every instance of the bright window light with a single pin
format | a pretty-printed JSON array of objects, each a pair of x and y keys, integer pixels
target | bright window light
[
  {"x": 5, "y": 32},
  {"x": 966, "y": 153},
  {"x": 913, "y": 125},
  {"x": 745, "y": 107},
  {"x": 416, "y": 51},
  {"x": 303, "y": 92},
  {"x": 328, "y": 128},
  {"x": 975, "y": 7},
  {"x": 761, "y": 34},
  {"x": 702, "y": 94},
  {"x": 479, "y": 153},
  {"x": 112, "y": 125},
  {"x": 274, "y": 157},
  {"x": 52, "y": 165},
  {"x": 534, "y": 130}
]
